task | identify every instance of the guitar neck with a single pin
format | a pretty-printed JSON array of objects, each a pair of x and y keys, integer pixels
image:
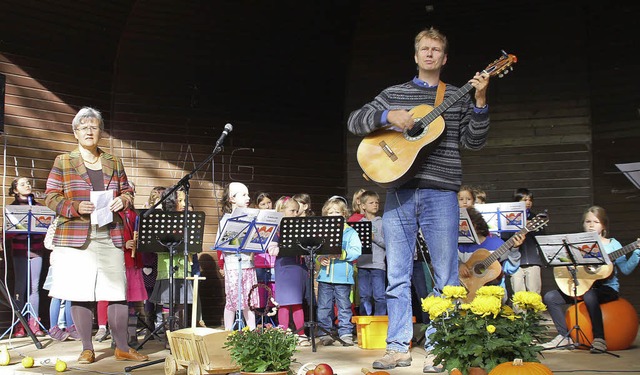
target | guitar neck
[
  {"x": 437, "y": 111},
  {"x": 496, "y": 254},
  {"x": 622, "y": 251}
]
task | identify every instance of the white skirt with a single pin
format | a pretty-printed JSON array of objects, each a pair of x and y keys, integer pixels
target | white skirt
[{"x": 94, "y": 272}]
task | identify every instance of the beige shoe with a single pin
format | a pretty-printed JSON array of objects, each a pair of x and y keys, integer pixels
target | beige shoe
[
  {"x": 429, "y": 367},
  {"x": 559, "y": 342},
  {"x": 598, "y": 346},
  {"x": 392, "y": 359},
  {"x": 87, "y": 356}
]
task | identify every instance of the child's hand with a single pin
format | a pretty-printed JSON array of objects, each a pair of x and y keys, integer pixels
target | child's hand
[
  {"x": 273, "y": 249},
  {"x": 518, "y": 240},
  {"x": 325, "y": 261},
  {"x": 129, "y": 245},
  {"x": 463, "y": 271}
]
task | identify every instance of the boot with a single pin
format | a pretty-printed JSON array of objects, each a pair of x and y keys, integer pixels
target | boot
[
  {"x": 19, "y": 331},
  {"x": 35, "y": 327}
]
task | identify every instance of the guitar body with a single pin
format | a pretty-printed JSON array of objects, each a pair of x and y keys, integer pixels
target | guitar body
[
  {"x": 480, "y": 275},
  {"x": 391, "y": 158},
  {"x": 586, "y": 276}
]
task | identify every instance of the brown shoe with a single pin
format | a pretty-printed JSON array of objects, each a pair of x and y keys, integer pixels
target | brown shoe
[
  {"x": 87, "y": 356},
  {"x": 132, "y": 355}
]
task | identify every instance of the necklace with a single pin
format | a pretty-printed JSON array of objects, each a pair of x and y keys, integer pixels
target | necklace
[{"x": 90, "y": 162}]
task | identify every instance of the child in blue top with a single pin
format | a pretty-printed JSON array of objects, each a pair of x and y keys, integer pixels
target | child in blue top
[
  {"x": 335, "y": 278},
  {"x": 595, "y": 219}
]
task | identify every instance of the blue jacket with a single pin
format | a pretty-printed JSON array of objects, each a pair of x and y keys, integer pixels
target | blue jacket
[{"x": 341, "y": 270}]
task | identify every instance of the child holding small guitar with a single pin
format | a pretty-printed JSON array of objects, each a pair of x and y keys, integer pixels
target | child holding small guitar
[
  {"x": 605, "y": 290},
  {"x": 470, "y": 255}
]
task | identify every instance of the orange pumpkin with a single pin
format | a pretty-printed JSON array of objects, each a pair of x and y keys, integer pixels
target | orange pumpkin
[
  {"x": 367, "y": 372},
  {"x": 620, "y": 323},
  {"x": 517, "y": 367}
]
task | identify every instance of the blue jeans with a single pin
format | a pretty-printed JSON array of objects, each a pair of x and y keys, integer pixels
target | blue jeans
[
  {"x": 326, "y": 294},
  {"x": 372, "y": 285},
  {"x": 437, "y": 213}
]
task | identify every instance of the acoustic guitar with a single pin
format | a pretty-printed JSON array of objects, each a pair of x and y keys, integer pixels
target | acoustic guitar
[
  {"x": 587, "y": 275},
  {"x": 390, "y": 158},
  {"x": 484, "y": 264}
]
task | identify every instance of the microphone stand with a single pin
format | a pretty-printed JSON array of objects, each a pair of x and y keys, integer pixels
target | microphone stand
[{"x": 183, "y": 183}]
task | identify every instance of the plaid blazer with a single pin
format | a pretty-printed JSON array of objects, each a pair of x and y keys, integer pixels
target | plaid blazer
[{"x": 69, "y": 184}]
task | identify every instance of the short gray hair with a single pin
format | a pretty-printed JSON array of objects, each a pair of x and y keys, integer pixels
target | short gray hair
[{"x": 84, "y": 114}]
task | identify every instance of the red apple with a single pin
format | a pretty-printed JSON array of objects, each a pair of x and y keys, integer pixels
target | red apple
[
  {"x": 309, "y": 372},
  {"x": 323, "y": 369}
]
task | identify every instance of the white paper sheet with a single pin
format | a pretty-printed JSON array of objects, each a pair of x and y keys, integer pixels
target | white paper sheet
[{"x": 101, "y": 200}]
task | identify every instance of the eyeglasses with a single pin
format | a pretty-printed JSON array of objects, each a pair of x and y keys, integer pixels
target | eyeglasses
[{"x": 84, "y": 129}]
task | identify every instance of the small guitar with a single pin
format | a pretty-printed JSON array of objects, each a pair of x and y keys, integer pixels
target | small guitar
[
  {"x": 484, "y": 264},
  {"x": 390, "y": 158},
  {"x": 587, "y": 275}
]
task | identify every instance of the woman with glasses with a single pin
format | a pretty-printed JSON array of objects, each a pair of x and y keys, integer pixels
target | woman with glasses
[{"x": 89, "y": 258}]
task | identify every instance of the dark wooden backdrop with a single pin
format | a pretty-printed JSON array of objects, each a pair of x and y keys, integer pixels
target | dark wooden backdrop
[{"x": 169, "y": 75}]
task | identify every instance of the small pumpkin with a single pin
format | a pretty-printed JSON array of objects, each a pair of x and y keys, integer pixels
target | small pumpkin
[
  {"x": 367, "y": 372},
  {"x": 518, "y": 367}
]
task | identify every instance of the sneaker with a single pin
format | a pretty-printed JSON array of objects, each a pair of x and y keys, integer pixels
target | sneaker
[
  {"x": 19, "y": 331},
  {"x": 102, "y": 334},
  {"x": 348, "y": 340},
  {"x": 73, "y": 333},
  {"x": 326, "y": 340},
  {"x": 429, "y": 366},
  {"x": 57, "y": 334},
  {"x": 34, "y": 324},
  {"x": 560, "y": 342},
  {"x": 598, "y": 346},
  {"x": 391, "y": 359}
]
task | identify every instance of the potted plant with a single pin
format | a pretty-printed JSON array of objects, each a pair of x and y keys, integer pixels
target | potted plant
[
  {"x": 262, "y": 350},
  {"x": 483, "y": 333}
]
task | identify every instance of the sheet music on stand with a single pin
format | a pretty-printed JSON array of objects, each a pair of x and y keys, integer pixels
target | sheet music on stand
[
  {"x": 247, "y": 230},
  {"x": 466, "y": 230},
  {"x": 163, "y": 227},
  {"x": 632, "y": 171},
  {"x": 364, "y": 229},
  {"x": 16, "y": 218},
  {"x": 504, "y": 217},
  {"x": 570, "y": 249}
]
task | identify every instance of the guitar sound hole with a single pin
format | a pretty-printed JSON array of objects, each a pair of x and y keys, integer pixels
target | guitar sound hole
[
  {"x": 592, "y": 269},
  {"x": 479, "y": 269},
  {"x": 416, "y": 131}
]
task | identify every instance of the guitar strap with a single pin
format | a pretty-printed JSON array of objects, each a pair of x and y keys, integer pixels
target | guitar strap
[{"x": 440, "y": 93}]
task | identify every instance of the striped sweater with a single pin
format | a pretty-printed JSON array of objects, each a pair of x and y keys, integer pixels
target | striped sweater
[{"x": 464, "y": 127}]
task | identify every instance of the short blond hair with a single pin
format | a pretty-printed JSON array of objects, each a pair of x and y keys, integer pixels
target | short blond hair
[
  {"x": 434, "y": 34},
  {"x": 336, "y": 201}
]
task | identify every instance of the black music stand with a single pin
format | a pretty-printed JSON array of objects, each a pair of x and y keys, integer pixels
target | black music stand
[
  {"x": 572, "y": 251},
  {"x": 363, "y": 228},
  {"x": 310, "y": 236},
  {"x": 162, "y": 231},
  {"x": 27, "y": 219}
]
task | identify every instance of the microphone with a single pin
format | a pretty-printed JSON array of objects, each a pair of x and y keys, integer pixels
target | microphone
[
  {"x": 227, "y": 129},
  {"x": 30, "y": 199}
]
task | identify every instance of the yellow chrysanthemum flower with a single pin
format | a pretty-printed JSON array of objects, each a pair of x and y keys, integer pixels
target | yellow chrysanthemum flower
[
  {"x": 491, "y": 290},
  {"x": 454, "y": 292},
  {"x": 436, "y": 306},
  {"x": 484, "y": 305},
  {"x": 491, "y": 328}
]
